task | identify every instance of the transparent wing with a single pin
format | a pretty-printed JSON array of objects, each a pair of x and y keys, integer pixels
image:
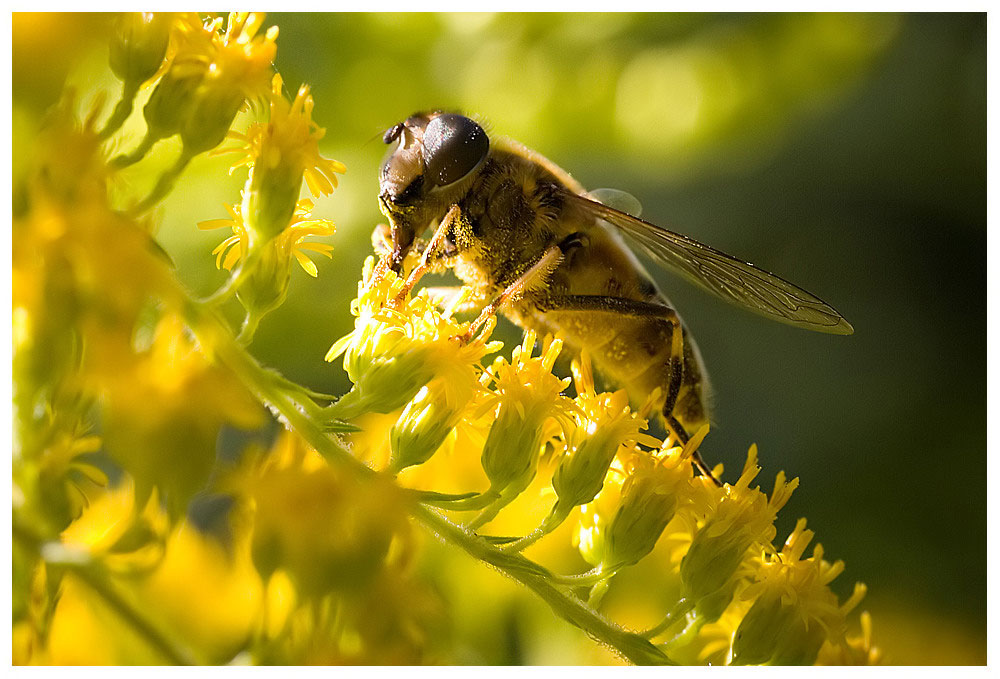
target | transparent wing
[
  {"x": 723, "y": 275},
  {"x": 619, "y": 200}
]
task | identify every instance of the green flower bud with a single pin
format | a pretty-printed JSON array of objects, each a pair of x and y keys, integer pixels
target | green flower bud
[
  {"x": 139, "y": 45},
  {"x": 764, "y": 625},
  {"x": 512, "y": 447},
  {"x": 209, "y": 118},
  {"x": 385, "y": 381},
  {"x": 710, "y": 608},
  {"x": 266, "y": 287},
  {"x": 422, "y": 427},
  {"x": 647, "y": 505},
  {"x": 170, "y": 104},
  {"x": 712, "y": 559},
  {"x": 580, "y": 474},
  {"x": 799, "y": 643},
  {"x": 270, "y": 199}
]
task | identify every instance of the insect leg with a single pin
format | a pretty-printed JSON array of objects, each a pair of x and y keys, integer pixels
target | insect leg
[
  {"x": 631, "y": 307},
  {"x": 437, "y": 240},
  {"x": 538, "y": 272}
]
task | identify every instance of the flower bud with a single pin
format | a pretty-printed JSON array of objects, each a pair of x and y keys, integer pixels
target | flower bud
[
  {"x": 761, "y": 630},
  {"x": 423, "y": 426},
  {"x": 710, "y": 608},
  {"x": 712, "y": 559},
  {"x": 512, "y": 447},
  {"x": 398, "y": 345},
  {"x": 210, "y": 116},
  {"x": 173, "y": 98},
  {"x": 270, "y": 198},
  {"x": 648, "y": 502},
  {"x": 266, "y": 287},
  {"x": 385, "y": 379},
  {"x": 581, "y": 471},
  {"x": 799, "y": 643},
  {"x": 139, "y": 45}
]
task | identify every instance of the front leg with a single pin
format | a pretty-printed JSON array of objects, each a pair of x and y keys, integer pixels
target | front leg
[{"x": 435, "y": 249}]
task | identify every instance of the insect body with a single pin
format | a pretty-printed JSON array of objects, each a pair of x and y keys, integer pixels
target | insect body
[{"x": 528, "y": 239}]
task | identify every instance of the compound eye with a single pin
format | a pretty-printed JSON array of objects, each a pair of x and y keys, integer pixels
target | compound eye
[{"x": 453, "y": 146}]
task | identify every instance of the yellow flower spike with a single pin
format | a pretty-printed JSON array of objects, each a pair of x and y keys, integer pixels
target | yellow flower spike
[
  {"x": 399, "y": 345},
  {"x": 736, "y": 518},
  {"x": 279, "y": 154}
]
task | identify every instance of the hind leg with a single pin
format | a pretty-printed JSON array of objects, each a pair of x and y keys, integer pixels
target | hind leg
[{"x": 677, "y": 362}]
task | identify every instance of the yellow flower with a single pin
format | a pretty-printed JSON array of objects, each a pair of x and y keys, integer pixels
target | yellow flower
[
  {"x": 279, "y": 154},
  {"x": 795, "y": 611},
  {"x": 856, "y": 650},
  {"x": 329, "y": 531},
  {"x": 604, "y": 426},
  {"x": 288, "y": 243},
  {"x": 212, "y": 74},
  {"x": 239, "y": 69},
  {"x": 398, "y": 345},
  {"x": 163, "y": 410},
  {"x": 737, "y": 519},
  {"x": 651, "y": 492},
  {"x": 527, "y": 396}
]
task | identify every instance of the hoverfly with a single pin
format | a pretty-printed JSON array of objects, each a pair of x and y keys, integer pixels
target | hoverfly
[{"x": 528, "y": 240}]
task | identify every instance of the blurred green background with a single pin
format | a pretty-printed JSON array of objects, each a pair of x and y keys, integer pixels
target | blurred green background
[{"x": 846, "y": 153}]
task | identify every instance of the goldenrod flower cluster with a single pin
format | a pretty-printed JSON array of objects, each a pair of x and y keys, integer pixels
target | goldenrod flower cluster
[
  {"x": 175, "y": 501},
  {"x": 739, "y": 600}
]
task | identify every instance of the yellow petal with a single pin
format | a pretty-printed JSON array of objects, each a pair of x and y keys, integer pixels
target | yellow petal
[{"x": 307, "y": 264}]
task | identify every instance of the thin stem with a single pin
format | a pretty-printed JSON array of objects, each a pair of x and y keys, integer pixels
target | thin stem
[
  {"x": 685, "y": 636},
  {"x": 137, "y": 154},
  {"x": 591, "y": 577},
  {"x": 678, "y": 612},
  {"x": 122, "y": 110},
  {"x": 165, "y": 183},
  {"x": 92, "y": 575},
  {"x": 549, "y": 524},
  {"x": 249, "y": 329}
]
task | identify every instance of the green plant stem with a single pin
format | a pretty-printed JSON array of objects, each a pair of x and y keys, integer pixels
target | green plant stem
[
  {"x": 679, "y": 611},
  {"x": 591, "y": 577},
  {"x": 551, "y": 522},
  {"x": 165, "y": 183},
  {"x": 138, "y": 153},
  {"x": 122, "y": 110},
  {"x": 631, "y": 646},
  {"x": 92, "y": 575}
]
